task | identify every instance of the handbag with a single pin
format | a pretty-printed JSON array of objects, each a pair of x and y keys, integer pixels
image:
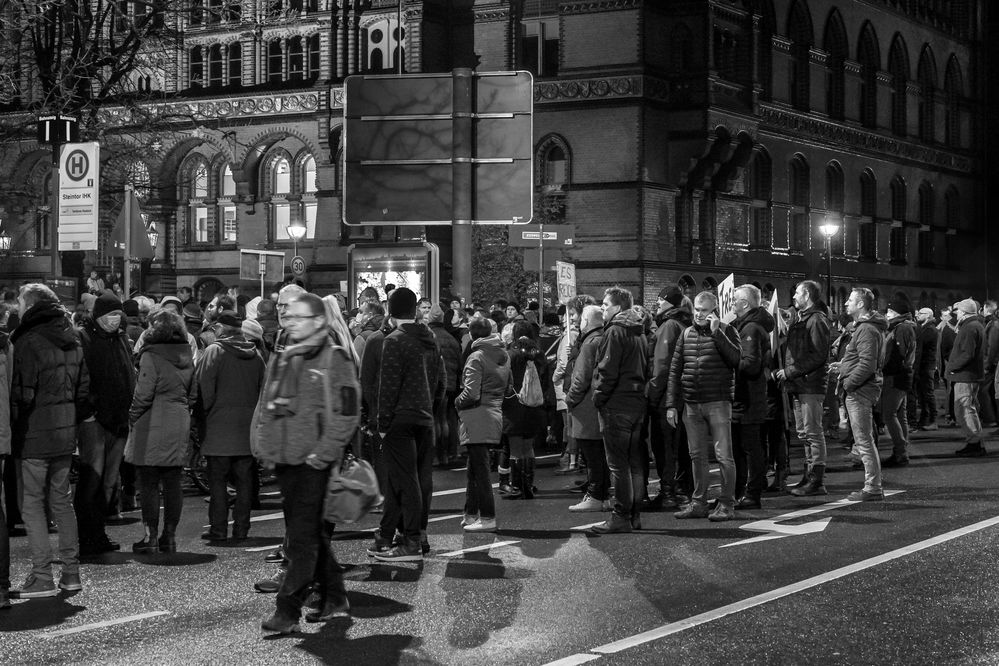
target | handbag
[{"x": 351, "y": 492}]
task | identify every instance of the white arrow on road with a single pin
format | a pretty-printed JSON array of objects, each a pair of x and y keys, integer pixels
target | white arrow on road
[{"x": 774, "y": 530}]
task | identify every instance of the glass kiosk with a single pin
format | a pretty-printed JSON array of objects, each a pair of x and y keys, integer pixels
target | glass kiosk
[{"x": 415, "y": 266}]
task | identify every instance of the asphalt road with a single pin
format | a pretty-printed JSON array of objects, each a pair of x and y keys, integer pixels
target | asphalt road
[{"x": 906, "y": 581}]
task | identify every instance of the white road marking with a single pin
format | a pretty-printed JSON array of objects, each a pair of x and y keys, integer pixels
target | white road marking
[
  {"x": 583, "y": 528},
  {"x": 573, "y": 659},
  {"x": 488, "y": 546},
  {"x": 101, "y": 625},
  {"x": 781, "y": 592},
  {"x": 271, "y": 493},
  {"x": 258, "y": 549},
  {"x": 257, "y": 519},
  {"x": 447, "y": 517},
  {"x": 455, "y": 491},
  {"x": 549, "y": 456}
]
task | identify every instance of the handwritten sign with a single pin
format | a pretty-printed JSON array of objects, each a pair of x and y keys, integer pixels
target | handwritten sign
[
  {"x": 726, "y": 295},
  {"x": 566, "y": 278}
]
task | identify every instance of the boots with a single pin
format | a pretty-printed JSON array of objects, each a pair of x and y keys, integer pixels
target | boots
[
  {"x": 504, "y": 482},
  {"x": 512, "y": 492},
  {"x": 814, "y": 485},
  {"x": 803, "y": 480},
  {"x": 168, "y": 540},
  {"x": 527, "y": 478},
  {"x": 779, "y": 484},
  {"x": 148, "y": 544}
]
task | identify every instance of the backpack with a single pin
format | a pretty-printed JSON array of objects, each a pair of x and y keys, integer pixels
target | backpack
[{"x": 530, "y": 394}]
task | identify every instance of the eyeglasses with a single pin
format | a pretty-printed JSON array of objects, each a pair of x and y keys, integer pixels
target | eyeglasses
[{"x": 299, "y": 317}]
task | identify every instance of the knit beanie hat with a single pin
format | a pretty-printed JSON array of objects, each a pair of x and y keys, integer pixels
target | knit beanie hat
[
  {"x": 130, "y": 308},
  {"x": 252, "y": 330},
  {"x": 106, "y": 303},
  {"x": 192, "y": 312},
  {"x": 402, "y": 303},
  {"x": 900, "y": 306},
  {"x": 671, "y": 295},
  {"x": 968, "y": 306},
  {"x": 436, "y": 313}
]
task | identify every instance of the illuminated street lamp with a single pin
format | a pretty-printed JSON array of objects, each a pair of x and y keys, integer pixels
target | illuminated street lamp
[
  {"x": 296, "y": 232},
  {"x": 4, "y": 240},
  {"x": 153, "y": 235},
  {"x": 829, "y": 228}
]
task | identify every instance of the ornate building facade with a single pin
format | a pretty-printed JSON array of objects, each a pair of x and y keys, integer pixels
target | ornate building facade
[{"x": 684, "y": 140}]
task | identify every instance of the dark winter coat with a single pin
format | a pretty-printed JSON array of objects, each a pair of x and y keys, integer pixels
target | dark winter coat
[
  {"x": 703, "y": 366},
  {"x": 619, "y": 380},
  {"x": 579, "y": 397},
  {"x": 520, "y": 420},
  {"x": 750, "y": 404},
  {"x": 5, "y": 374},
  {"x": 160, "y": 416},
  {"x": 900, "y": 352},
  {"x": 112, "y": 375},
  {"x": 947, "y": 336},
  {"x": 371, "y": 363},
  {"x": 485, "y": 382},
  {"x": 991, "y": 344},
  {"x": 927, "y": 337},
  {"x": 411, "y": 378},
  {"x": 230, "y": 375},
  {"x": 671, "y": 324},
  {"x": 451, "y": 354},
  {"x": 806, "y": 355},
  {"x": 860, "y": 368},
  {"x": 50, "y": 384},
  {"x": 967, "y": 358}
]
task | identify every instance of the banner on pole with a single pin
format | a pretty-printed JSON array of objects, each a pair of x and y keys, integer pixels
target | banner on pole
[
  {"x": 566, "y": 279},
  {"x": 138, "y": 234},
  {"x": 726, "y": 294}
]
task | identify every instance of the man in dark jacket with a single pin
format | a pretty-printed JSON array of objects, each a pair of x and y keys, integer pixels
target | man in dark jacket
[
  {"x": 583, "y": 420},
  {"x": 948, "y": 333},
  {"x": 619, "y": 396},
  {"x": 749, "y": 409},
  {"x": 669, "y": 444},
  {"x": 702, "y": 381},
  {"x": 805, "y": 372},
  {"x": 108, "y": 353},
  {"x": 446, "y": 418},
  {"x": 49, "y": 397},
  {"x": 987, "y": 394},
  {"x": 860, "y": 377},
  {"x": 898, "y": 362},
  {"x": 926, "y": 367},
  {"x": 410, "y": 385},
  {"x": 966, "y": 370}
]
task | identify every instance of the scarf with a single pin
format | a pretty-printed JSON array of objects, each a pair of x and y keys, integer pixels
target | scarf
[{"x": 282, "y": 389}]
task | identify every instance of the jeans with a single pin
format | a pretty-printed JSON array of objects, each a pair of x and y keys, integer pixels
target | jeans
[
  {"x": 774, "y": 442},
  {"x": 100, "y": 457},
  {"x": 750, "y": 462},
  {"x": 861, "y": 411},
  {"x": 40, "y": 479},
  {"x": 893, "y": 413},
  {"x": 925, "y": 399},
  {"x": 4, "y": 537},
  {"x": 408, "y": 454},
  {"x": 151, "y": 479},
  {"x": 597, "y": 473},
  {"x": 624, "y": 449},
  {"x": 707, "y": 423},
  {"x": 808, "y": 423},
  {"x": 446, "y": 424},
  {"x": 479, "y": 493},
  {"x": 669, "y": 448},
  {"x": 966, "y": 410},
  {"x": 307, "y": 540},
  {"x": 220, "y": 468}
]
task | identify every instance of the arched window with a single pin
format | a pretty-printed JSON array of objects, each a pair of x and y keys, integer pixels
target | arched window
[
  {"x": 800, "y": 195},
  {"x": 869, "y": 214},
  {"x": 687, "y": 286},
  {"x": 552, "y": 164},
  {"x": 383, "y": 39},
  {"x": 764, "y": 47},
  {"x": 927, "y": 76},
  {"x": 290, "y": 186},
  {"x": 835, "y": 204},
  {"x": 43, "y": 212},
  {"x": 802, "y": 37},
  {"x": 296, "y": 59},
  {"x": 226, "y": 206},
  {"x": 281, "y": 176},
  {"x": 952, "y": 206},
  {"x": 954, "y": 90},
  {"x": 869, "y": 57},
  {"x": 835, "y": 44},
  {"x": 758, "y": 187},
  {"x": 196, "y": 67},
  {"x": 313, "y": 46},
  {"x": 926, "y": 232},
  {"x": 898, "y": 67},
  {"x": 896, "y": 239},
  {"x": 235, "y": 53},
  {"x": 726, "y": 53},
  {"x": 275, "y": 62},
  {"x": 195, "y": 193},
  {"x": 215, "y": 66}
]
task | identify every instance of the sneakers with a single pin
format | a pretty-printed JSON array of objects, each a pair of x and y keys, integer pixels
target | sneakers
[
  {"x": 381, "y": 546},
  {"x": 929, "y": 426},
  {"x": 330, "y": 610},
  {"x": 272, "y": 584},
  {"x": 692, "y": 510},
  {"x": 275, "y": 556},
  {"x": 70, "y": 582},
  {"x": 972, "y": 450},
  {"x": 589, "y": 503},
  {"x": 722, "y": 513},
  {"x": 613, "y": 525},
  {"x": 864, "y": 495},
  {"x": 894, "y": 461},
  {"x": 469, "y": 519},
  {"x": 35, "y": 588},
  {"x": 278, "y": 624},
  {"x": 482, "y": 525},
  {"x": 401, "y": 553}
]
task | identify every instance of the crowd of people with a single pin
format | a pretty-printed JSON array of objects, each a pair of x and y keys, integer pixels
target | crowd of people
[{"x": 99, "y": 409}]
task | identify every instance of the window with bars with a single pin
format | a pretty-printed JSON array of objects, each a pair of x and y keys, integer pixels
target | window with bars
[
  {"x": 235, "y": 75},
  {"x": 196, "y": 68},
  {"x": 275, "y": 62}
]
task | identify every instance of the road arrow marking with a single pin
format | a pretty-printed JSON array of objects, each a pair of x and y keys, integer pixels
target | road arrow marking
[{"x": 774, "y": 530}]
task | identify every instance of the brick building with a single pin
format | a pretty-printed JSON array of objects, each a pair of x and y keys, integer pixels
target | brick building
[{"x": 684, "y": 139}]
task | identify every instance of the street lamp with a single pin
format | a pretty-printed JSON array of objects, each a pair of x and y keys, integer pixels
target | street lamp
[
  {"x": 4, "y": 241},
  {"x": 829, "y": 228},
  {"x": 153, "y": 235},
  {"x": 296, "y": 231}
]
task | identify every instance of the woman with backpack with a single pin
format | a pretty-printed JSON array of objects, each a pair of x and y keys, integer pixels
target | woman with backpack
[{"x": 524, "y": 413}]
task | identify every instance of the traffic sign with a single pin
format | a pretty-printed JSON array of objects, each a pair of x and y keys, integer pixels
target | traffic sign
[
  {"x": 402, "y": 139},
  {"x": 554, "y": 235},
  {"x": 298, "y": 266},
  {"x": 79, "y": 172}
]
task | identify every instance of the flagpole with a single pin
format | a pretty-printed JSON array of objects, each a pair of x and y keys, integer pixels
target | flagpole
[{"x": 126, "y": 278}]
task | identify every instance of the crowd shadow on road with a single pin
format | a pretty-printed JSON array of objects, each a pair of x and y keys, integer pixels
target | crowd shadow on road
[
  {"x": 537, "y": 544},
  {"x": 179, "y": 559},
  {"x": 35, "y": 614},
  {"x": 378, "y": 572},
  {"x": 331, "y": 645},
  {"x": 475, "y": 612}
]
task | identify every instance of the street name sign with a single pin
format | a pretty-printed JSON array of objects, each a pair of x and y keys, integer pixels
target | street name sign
[
  {"x": 549, "y": 235},
  {"x": 79, "y": 175}
]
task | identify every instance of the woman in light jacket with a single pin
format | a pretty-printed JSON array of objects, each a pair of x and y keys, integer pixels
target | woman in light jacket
[{"x": 485, "y": 382}]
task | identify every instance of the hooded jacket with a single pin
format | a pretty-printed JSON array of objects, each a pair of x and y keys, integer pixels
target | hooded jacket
[
  {"x": 860, "y": 368},
  {"x": 703, "y": 366},
  {"x": 484, "y": 383},
  {"x": 900, "y": 352},
  {"x": 112, "y": 375},
  {"x": 450, "y": 354},
  {"x": 671, "y": 324},
  {"x": 579, "y": 397},
  {"x": 230, "y": 375},
  {"x": 50, "y": 384},
  {"x": 619, "y": 379},
  {"x": 160, "y": 415},
  {"x": 967, "y": 358},
  {"x": 750, "y": 404},
  {"x": 519, "y": 419},
  {"x": 806, "y": 354},
  {"x": 411, "y": 379}
]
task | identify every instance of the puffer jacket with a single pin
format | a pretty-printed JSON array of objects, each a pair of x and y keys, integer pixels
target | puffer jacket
[
  {"x": 806, "y": 354},
  {"x": 619, "y": 380},
  {"x": 579, "y": 397},
  {"x": 900, "y": 353},
  {"x": 519, "y": 419},
  {"x": 703, "y": 366},
  {"x": 750, "y": 404},
  {"x": 967, "y": 358},
  {"x": 160, "y": 415},
  {"x": 50, "y": 384},
  {"x": 860, "y": 367},
  {"x": 485, "y": 381},
  {"x": 288, "y": 438},
  {"x": 230, "y": 375},
  {"x": 451, "y": 355},
  {"x": 671, "y": 324}
]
